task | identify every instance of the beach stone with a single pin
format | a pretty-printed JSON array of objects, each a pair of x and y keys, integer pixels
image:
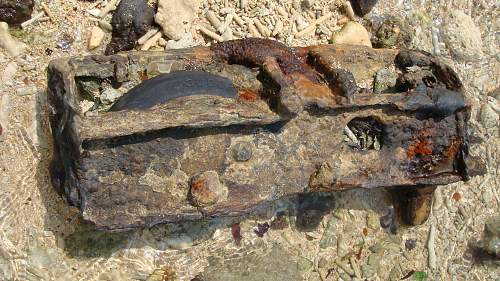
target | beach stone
[
  {"x": 462, "y": 36},
  {"x": 385, "y": 80},
  {"x": 392, "y": 33},
  {"x": 175, "y": 16},
  {"x": 16, "y": 11},
  {"x": 12, "y": 46},
  {"x": 131, "y": 20},
  {"x": 110, "y": 95},
  {"x": 352, "y": 33},
  {"x": 96, "y": 36}
]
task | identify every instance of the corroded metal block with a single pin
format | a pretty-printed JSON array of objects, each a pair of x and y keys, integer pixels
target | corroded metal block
[{"x": 284, "y": 121}]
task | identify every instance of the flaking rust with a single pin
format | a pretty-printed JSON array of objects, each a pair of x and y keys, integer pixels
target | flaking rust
[{"x": 284, "y": 122}]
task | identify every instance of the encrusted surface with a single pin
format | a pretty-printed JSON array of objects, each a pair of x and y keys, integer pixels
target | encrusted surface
[{"x": 131, "y": 167}]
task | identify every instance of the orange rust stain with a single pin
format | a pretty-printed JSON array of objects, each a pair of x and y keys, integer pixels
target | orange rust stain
[
  {"x": 142, "y": 75},
  {"x": 365, "y": 231},
  {"x": 452, "y": 150},
  {"x": 420, "y": 147},
  {"x": 456, "y": 196},
  {"x": 308, "y": 88},
  {"x": 248, "y": 95},
  {"x": 198, "y": 185}
]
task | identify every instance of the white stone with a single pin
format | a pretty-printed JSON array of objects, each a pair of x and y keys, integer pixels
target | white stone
[
  {"x": 186, "y": 41},
  {"x": 110, "y": 95},
  {"x": 96, "y": 37},
  {"x": 462, "y": 36},
  {"x": 13, "y": 46},
  {"x": 175, "y": 16},
  {"x": 352, "y": 33}
]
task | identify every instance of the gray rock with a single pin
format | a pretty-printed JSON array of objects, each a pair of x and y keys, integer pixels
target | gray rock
[
  {"x": 110, "y": 95},
  {"x": 462, "y": 36},
  {"x": 385, "y": 80},
  {"x": 392, "y": 33}
]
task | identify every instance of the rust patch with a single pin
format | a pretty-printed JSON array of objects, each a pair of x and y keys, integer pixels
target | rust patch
[
  {"x": 248, "y": 95},
  {"x": 142, "y": 75},
  {"x": 255, "y": 52},
  {"x": 456, "y": 196},
  {"x": 198, "y": 185},
  {"x": 422, "y": 146},
  {"x": 419, "y": 148}
]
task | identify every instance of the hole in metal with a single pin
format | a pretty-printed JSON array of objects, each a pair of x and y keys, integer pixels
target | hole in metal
[{"x": 364, "y": 133}]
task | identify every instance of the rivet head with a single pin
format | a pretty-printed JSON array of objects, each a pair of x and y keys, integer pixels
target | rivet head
[
  {"x": 206, "y": 189},
  {"x": 242, "y": 151}
]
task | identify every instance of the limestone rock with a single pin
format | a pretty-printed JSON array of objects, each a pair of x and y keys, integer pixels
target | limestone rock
[
  {"x": 462, "y": 36},
  {"x": 13, "y": 46},
  {"x": 96, "y": 36},
  {"x": 352, "y": 33},
  {"x": 175, "y": 16}
]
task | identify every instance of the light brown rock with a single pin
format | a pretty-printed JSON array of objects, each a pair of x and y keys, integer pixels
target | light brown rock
[
  {"x": 96, "y": 37},
  {"x": 352, "y": 33}
]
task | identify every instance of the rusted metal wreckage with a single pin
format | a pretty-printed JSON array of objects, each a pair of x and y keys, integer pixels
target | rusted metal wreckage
[{"x": 220, "y": 131}]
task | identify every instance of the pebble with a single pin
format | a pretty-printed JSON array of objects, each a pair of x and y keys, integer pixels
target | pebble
[
  {"x": 110, "y": 95},
  {"x": 385, "y": 80},
  {"x": 392, "y": 33},
  {"x": 352, "y": 33},
  {"x": 131, "y": 20},
  {"x": 11, "y": 45},
  {"x": 175, "y": 16},
  {"x": 96, "y": 37},
  {"x": 462, "y": 36}
]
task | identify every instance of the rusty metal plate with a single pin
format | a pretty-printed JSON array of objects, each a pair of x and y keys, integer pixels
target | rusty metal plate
[{"x": 284, "y": 121}]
